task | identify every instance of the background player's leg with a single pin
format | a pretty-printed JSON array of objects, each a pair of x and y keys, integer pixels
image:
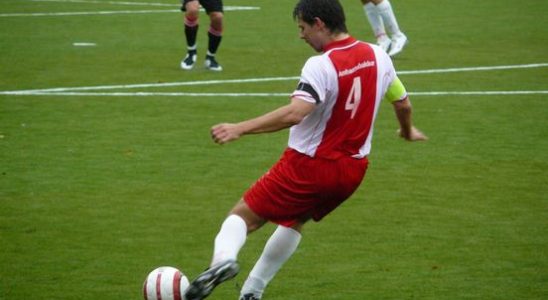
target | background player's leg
[
  {"x": 376, "y": 22},
  {"x": 398, "y": 38},
  {"x": 191, "y": 31},
  {"x": 215, "y": 34}
]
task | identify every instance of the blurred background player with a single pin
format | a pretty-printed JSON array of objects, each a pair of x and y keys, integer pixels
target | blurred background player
[
  {"x": 330, "y": 116},
  {"x": 214, "y": 9},
  {"x": 381, "y": 17}
]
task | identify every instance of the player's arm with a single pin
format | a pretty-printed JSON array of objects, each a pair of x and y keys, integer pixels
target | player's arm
[
  {"x": 281, "y": 118},
  {"x": 397, "y": 94}
]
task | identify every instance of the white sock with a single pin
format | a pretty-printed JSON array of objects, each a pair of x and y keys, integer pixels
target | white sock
[
  {"x": 230, "y": 239},
  {"x": 277, "y": 251},
  {"x": 375, "y": 20},
  {"x": 385, "y": 11}
]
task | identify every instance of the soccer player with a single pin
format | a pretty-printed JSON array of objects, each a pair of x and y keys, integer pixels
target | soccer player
[
  {"x": 380, "y": 14},
  {"x": 214, "y": 8},
  {"x": 330, "y": 115}
]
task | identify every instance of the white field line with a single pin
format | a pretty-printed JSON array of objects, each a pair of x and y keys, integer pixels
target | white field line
[
  {"x": 227, "y": 8},
  {"x": 477, "y": 93},
  {"x": 87, "y": 13},
  {"x": 83, "y": 44},
  {"x": 110, "y": 2},
  {"x": 472, "y": 69},
  {"x": 248, "y": 80},
  {"x": 148, "y": 94},
  {"x": 175, "y": 4},
  {"x": 150, "y": 85},
  {"x": 113, "y": 12},
  {"x": 188, "y": 94}
]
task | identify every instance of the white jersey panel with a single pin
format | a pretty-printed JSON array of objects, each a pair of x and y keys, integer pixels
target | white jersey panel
[
  {"x": 385, "y": 75},
  {"x": 319, "y": 73}
]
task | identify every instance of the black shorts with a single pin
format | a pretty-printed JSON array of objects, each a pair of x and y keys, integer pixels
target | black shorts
[{"x": 208, "y": 5}]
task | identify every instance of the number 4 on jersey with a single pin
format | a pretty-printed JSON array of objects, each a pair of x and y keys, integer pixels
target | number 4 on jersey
[{"x": 354, "y": 98}]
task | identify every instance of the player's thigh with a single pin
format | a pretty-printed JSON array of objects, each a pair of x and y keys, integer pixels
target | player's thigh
[
  {"x": 190, "y": 6},
  {"x": 212, "y": 5}
]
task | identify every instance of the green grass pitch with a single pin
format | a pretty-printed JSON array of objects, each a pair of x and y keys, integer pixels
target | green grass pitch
[{"x": 98, "y": 188}]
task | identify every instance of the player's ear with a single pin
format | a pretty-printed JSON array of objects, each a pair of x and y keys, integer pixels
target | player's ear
[{"x": 318, "y": 22}]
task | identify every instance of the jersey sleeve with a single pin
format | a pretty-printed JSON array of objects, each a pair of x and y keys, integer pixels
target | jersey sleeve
[
  {"x": 313, "y": 81},
  {"x": 392, "y": 88}
]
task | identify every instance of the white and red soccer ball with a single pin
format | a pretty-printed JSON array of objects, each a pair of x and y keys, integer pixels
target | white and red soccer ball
[{"x": 165, "y": 283}]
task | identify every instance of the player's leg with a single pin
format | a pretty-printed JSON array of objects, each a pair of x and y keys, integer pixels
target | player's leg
[
  {"x": 278, "y": 249},
  {"x": 325, "y": 193},
  {"x": 228, "y": 243},
  {"x": 214, "y": 9},
  {"x": 389, "y": 19},
  {"x": 191, "y": 9},
  {"x": 375, "y": 20},
  {"x": 215, "y": 34}
]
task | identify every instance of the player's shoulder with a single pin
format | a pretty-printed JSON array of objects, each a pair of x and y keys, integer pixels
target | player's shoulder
[
  {"x": 379, "y": 53},
  {"x": 317, "y": 63},
  {"x": 381, "y": 56}
]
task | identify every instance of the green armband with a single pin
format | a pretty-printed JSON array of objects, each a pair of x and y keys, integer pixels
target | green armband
[{"x": 396, "y": 91}]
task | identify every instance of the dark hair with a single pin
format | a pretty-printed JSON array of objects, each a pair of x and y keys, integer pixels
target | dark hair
[{"x": 329, "y": 11}]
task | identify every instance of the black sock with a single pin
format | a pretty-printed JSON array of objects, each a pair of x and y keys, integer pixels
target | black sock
[
  {"x": 191, "y": 33},
  {"x": 214, "y": 41}
]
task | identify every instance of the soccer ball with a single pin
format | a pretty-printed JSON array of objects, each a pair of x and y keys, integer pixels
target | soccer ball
[{"x": 165, "y": 283}]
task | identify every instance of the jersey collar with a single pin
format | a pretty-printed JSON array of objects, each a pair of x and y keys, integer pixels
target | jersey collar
[{"x": 340, "y": 43}]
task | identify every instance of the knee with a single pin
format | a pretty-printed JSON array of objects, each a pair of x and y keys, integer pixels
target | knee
[
  {"x": 192, "y": 8},
  {"x": 252, "y": 220},
  {"x": 216, "y": 20},
  {"x": 253, "y": 225}
]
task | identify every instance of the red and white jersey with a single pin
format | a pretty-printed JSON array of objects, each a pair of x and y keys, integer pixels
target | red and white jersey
[{"x": 347, "y": 82}]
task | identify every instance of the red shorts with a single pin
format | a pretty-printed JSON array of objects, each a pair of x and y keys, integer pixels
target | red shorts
[{"x": 299, "y": 187}]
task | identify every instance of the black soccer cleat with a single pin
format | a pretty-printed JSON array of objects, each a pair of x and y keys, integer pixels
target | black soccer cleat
[
  {"x": 211, "y": 64},
  {"x": 249, "y": 297},
  {"x": 188, "y": 62},
  {"x": 204, "y": 284}
]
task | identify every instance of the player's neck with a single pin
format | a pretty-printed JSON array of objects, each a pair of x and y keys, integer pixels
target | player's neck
[{"x": 334, "y": 38}]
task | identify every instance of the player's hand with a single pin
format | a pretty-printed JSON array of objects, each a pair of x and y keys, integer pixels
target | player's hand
[
  {"x": 412, "y": 135},
  {"x": 224, "y": 133}
]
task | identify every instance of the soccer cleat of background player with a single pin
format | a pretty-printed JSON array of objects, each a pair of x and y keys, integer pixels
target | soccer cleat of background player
[
  {"x": 211, "y": 64},
  {"x": 190, "y": 59},
  {"x": 398, "y": 42},
  {"x": 380, "y": 15}
]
